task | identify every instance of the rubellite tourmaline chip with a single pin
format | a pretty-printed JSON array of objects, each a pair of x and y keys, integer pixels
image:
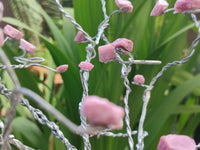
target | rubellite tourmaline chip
[
  {"x": 28, "y": 47},
  {"x": 139, "y": 79},
  {"x": 123, "y": 43},
  {"x": 101, "y": 112},
  {"x": 106, "y": 52},
  {"x": 159, "y": 7},
  {"x": 62, "y": 68},
  {"x": 176, "y": 142},
  {"x": 12, "y": 32},
  {"x": 125, "y": 3},
  {"x": 183, "y": 5},
  {"x": 80, "y": 37},
  {"x": 86, "y": 65},
  {"x": 1, "y": 37}
]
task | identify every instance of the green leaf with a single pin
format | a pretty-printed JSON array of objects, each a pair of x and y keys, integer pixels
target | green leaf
[
  {"x": 160, "y": 113},
  {"x": 27, "y": 131}
]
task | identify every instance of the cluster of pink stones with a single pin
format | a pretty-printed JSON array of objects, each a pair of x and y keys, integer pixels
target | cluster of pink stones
[
  {"x": 180, "y": 6},
  {"x": 107, "y": 52},
  {"x": 101, "y": 112},
  {"x": 176, "y": 142}
]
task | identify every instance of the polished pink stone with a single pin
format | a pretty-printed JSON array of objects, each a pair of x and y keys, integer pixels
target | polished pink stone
[
  {"x": 101, "y": 112},
  {"x": 123, "y": 43},
  {"x": 106, "y": 52},
  {"x": 176, "y": 142},
  {"x": 139, "y": 79},
  {"x": 159, "y": 7},
  {"x": 125, "y": 3},
  {"x": 1, "y": 37},
  {"x": 28, "y": 47},
  {"x": 62, "y": 68},
  {"x": 183, "y": 5},
  {"x": 12, "y": 32},
  {"x": 80, "y": 37},
  {"x": 86, "y": 65}
]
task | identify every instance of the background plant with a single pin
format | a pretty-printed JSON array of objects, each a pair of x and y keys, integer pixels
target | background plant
[{"x": 174, "y": 102}]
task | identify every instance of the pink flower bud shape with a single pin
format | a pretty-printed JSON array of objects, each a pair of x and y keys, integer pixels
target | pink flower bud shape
[
  {"x": 158, "y": 9},
  {"x": 124, "y": 3},
  {"x": 86, "y": 65},
  {"x": 106, "y": 53},
  {"x": 80, "y": 37},
  {"x": 176, "y": 142},
  {"x": 1, "y": 37},
  {"x": 62, "y": 68},
  {"x": 183, "y": 5},
  {"x": 123, "y": 43},
  {"x": 101, "y": 112},
  {"x": 1, "y": 10},
  {"x": 12, "y": 33},
  {"x": 25, "y": 45},
  {"x": 139, "y": 79}
]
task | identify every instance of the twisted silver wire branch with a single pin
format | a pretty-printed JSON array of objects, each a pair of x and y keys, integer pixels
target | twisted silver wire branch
[
  {"x": 11, "y": 112},
  {"x": 13, "y": 141},
  {"x": 147, "y": 92}
]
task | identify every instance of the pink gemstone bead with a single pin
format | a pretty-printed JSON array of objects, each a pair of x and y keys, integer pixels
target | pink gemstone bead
[
  {"x": 62, "y": 68},
  {"x": 101, "y": 112},
  {"x": 79, "y": 37},
  {"x": 123, "y": 43},
  {"x": 125, "y": 3},
  {"x": 139, "y": 79},
  {"x": 1, "y": 37},
  {"x": 12, "y": 32},
  {"x": 86, "y": 66},
  {"x": 159, "y": 7},
  {"x": 106, "y": 52},
  {"x": 28, "y": 47},
  {"x": 176, "y": 142},
  {"x": 183, "y": 5}
]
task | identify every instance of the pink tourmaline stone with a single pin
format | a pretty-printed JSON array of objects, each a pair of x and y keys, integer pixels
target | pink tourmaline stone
[
  {"x": 123, "y": 43},
  {"x": 101, "y": 112},
  {"x": 86, "y": 65},
  {"x": 106, "y": 52},
  {"x": 1, "y": 37},
  {"x": 125, "y": 3},
  {"x": 183, "y": 5},
  {"x": 176, "y": 142},
  {"x": 62, "y": 68},
  {"x": 12, "y": 32},
  {"x": 139, "y": 79},
  {"x": 159, "y": 7},
  {"x": 28, "y": 47},
  {"x": 79, "y": 37},
  {"x": 1, "y": 10}
]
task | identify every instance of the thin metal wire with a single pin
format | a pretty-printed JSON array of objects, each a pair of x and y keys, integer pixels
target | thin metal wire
[
  {"x": 147, "y": 92},
  {"x": 13, "y": 141}
]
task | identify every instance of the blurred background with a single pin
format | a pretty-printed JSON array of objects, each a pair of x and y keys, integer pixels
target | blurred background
[{"x": 174, "y": 105}]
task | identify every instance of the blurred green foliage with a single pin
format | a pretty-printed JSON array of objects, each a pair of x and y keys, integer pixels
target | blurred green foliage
[{"x": 174, "y": 104}]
